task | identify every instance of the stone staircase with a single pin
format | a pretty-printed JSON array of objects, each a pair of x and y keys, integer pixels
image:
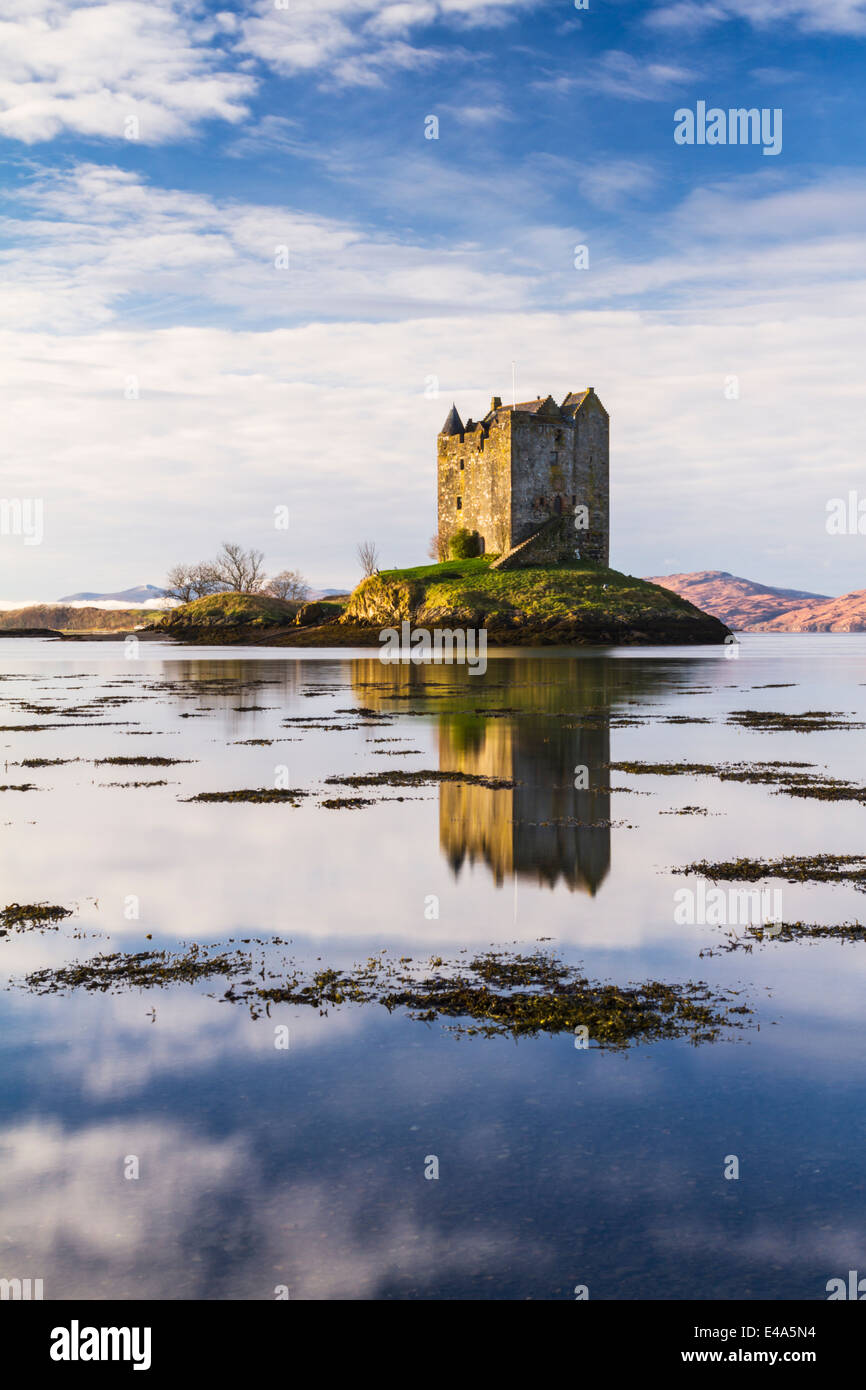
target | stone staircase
[{"x": 517, "y": 555}]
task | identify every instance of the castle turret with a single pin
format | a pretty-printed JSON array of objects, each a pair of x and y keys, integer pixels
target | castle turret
[{"x": 453, "y": 425}]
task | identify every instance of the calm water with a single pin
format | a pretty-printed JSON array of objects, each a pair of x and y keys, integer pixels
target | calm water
[{"x": 261, "y": 1166}]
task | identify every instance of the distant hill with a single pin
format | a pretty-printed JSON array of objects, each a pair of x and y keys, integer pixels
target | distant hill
[
  {"x": 743, "y": 604},
  {"x": 844, "y": 614},
  {"x": 142, "y": 593},
  {"x": 63, "y": 617},
  {"x": 220, "y": 611}
]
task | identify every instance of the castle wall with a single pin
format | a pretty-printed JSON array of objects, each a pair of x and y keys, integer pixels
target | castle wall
[
  {"x": 542, "y": 470},
  {"x": 482, "y": 485},
  {"x": 556, "y": 466},
  {"x": 592, "y": 479}
]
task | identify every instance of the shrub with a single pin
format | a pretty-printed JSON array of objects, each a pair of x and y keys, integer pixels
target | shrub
[{"x": 464, "y": 545}]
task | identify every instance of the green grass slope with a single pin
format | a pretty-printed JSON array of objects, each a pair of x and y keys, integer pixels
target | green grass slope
[
  {"x": 230, "y": 610},
  {"x": 568, "y": 603}
]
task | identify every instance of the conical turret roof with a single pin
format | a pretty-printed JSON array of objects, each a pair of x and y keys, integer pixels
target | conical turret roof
[{"x": 453, "y": 425}]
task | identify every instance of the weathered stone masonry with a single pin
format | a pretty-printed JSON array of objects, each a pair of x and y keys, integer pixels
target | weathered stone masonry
[{"x": 523, "y": 474}]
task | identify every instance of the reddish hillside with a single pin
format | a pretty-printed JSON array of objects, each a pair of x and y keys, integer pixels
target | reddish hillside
[
  {"x": 749, "y": 607},
  {"x": 844, "y": 614}
]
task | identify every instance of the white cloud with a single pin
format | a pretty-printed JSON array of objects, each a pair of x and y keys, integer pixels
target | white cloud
[
  {"x": 103, "y": 239},
  {"x": 71, "y": 1218},
  {"x": 356, "y": 42},
  {"x": 833, "y": 17},
  {"x": 69, "y": 65}
]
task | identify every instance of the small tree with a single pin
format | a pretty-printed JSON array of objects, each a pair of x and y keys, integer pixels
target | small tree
[
  {"x": 288, "y": 584},
  {"x": 434, "y": 549},
  {"x": 239, "y": 571},
  {"x": 368, "y": 556}
]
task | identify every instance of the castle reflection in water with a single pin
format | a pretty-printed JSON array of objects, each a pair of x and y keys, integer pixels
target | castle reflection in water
[
  {"x": 536, "y": 722},
  {"x": 545, "y": 828}
]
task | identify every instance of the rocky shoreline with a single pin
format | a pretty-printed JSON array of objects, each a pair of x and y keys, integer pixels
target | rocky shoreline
[{"x": 683, "y": 630}]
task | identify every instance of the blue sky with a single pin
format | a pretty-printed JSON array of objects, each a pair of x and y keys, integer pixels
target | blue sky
[{"x": 166, "y": 386}]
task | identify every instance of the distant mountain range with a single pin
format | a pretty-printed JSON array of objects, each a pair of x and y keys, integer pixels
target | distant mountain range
[
  {"x": 142, "y": 593},
  {"x": 747, "y": 606},
  {"x": 150, "y": 594}
]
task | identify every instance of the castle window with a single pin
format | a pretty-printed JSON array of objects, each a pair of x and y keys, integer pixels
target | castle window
[
  {"x": 559, "y": 436},
  {"x": 459, "y": 504},
  {"x": 557, "y": 505},
  {"x": 461, "y": 465},
  {"x": 573, "y": 500}
]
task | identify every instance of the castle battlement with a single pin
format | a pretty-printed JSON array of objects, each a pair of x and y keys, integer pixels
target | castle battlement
[{"x": 532, "y": 469}]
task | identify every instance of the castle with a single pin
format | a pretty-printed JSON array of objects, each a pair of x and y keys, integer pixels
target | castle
[{"x": 529, "y": 480}]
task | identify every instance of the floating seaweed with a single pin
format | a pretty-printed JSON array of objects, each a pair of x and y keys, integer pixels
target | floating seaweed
[
  {"x": 21, "y": 916},
  {"x": 119, "y": 970},
  {"x": 516, "y": 996},
  {"x": 289, "y": 795},
  {"x": 340, "y": 803},
  {"x": 141, "y": 761},
  {"x": 794, "y": 868},
  {"x": 770, "y": 933},
  {"x": 45, "y": 762},
  {"x": 811, "y": 721},
  {"x": 161, "y": 782},
  {"x": 493, "y": 995},
  {"x": 397, "y": 777}
]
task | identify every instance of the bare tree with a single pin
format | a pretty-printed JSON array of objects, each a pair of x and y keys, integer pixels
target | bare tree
[
  {"x": 206, "y": 580},
  {"x": 239, "y": 571},
  {"x": 368, "y": 556},
  {"x": 179, "y": 585},
  {"x": 188, "y": 582},
  {"x": 434, "y": 549},
  {"x": 288, "y": 584}
]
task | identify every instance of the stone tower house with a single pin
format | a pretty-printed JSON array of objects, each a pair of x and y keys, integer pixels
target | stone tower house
[{"x": 530, "y": 479}]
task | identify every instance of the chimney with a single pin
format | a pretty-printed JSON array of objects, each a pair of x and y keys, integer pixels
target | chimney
[{"x": 496, "y": 403}]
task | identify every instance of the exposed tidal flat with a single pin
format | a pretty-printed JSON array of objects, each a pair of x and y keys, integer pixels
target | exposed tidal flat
[{"x": 336, "y": 917}]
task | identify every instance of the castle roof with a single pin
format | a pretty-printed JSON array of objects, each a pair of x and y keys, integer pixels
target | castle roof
[
  {"x": 574, "y": 400},
  {"x": 453, "y": 425},
  {"x": 542, "y": 405}
]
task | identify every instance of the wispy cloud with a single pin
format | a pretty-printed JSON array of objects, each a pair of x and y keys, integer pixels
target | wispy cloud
[
  {"x": 620, "y": 74},
  {"x": 828, "y": 17}
]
